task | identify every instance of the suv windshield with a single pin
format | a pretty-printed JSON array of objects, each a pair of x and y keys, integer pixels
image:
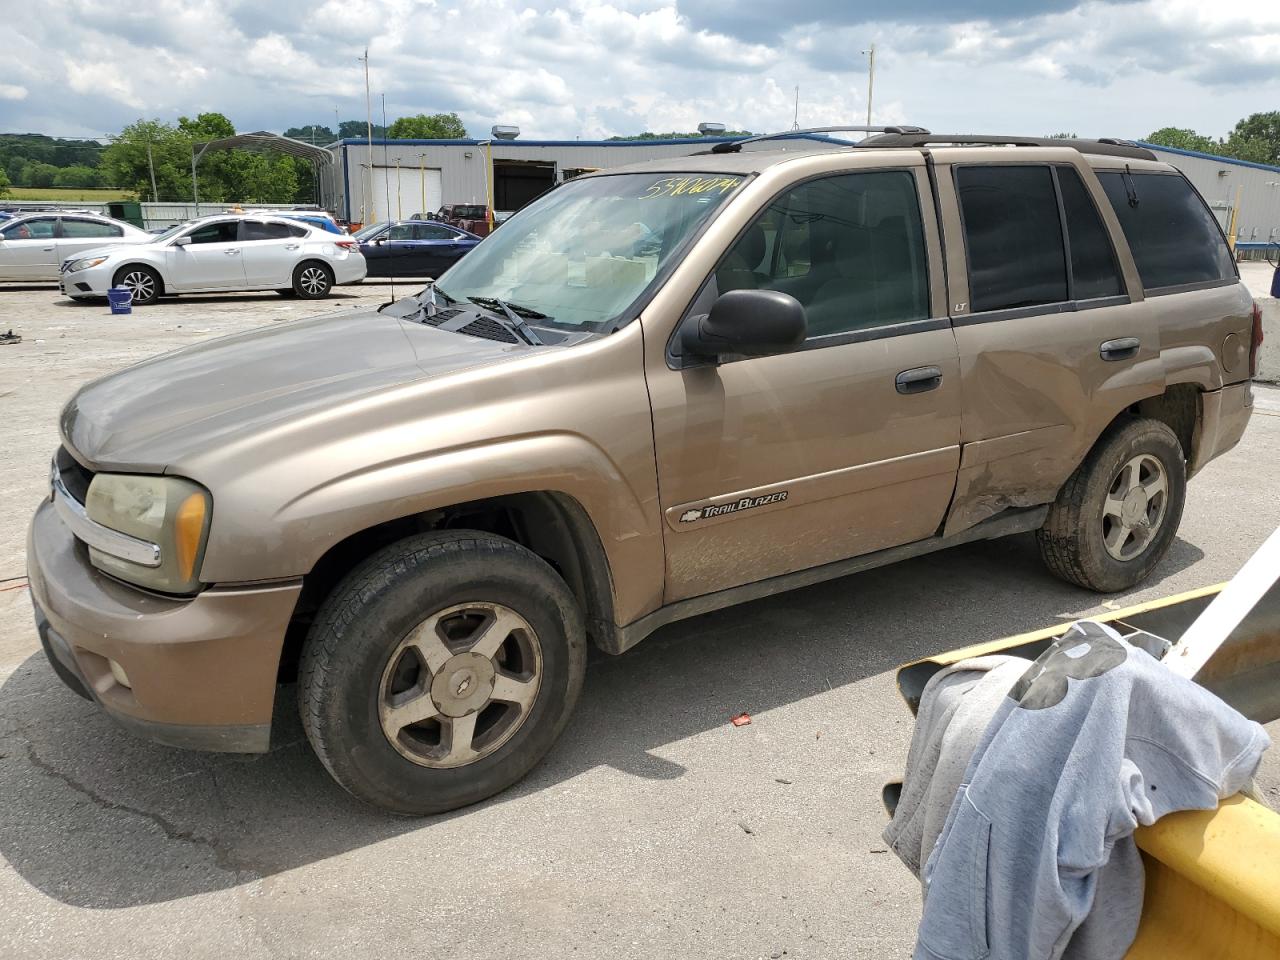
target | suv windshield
[{"x": 585, "y": 252}]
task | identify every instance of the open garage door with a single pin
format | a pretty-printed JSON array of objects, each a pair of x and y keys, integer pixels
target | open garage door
[
  {"x": 516, "y": 182},
  {"x": 410, "y": 190}
]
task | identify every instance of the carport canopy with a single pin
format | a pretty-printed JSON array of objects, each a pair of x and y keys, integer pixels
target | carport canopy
[{"x": 262, "y": 140}]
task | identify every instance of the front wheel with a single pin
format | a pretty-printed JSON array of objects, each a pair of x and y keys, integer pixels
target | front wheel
[
  {"x": 441, "y": 670},
  {"x": 1116, "y": 516},
  {"x": 312, "y": 280},
  {"x": 143, "y": 282}
]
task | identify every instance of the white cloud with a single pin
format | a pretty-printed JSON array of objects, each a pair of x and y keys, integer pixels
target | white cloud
[{"x": 590, "y": 68}]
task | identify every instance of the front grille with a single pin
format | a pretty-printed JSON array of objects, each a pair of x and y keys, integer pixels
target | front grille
[
  {"x": 489, "y": 330},
  {"x": 75, "y": 477}
]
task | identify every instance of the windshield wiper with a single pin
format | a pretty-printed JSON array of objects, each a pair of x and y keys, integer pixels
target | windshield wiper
[{"x": 517, "y": 324}]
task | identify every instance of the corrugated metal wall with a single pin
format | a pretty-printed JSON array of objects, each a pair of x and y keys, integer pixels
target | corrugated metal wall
[
  {"x": 462, "y": 165},
  {"x": 1218, "y": 180}
]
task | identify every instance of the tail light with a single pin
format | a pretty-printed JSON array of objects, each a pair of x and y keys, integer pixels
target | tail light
[
  {"x": 1255, "y": 345},
  {"x": 352, "y": 245}
]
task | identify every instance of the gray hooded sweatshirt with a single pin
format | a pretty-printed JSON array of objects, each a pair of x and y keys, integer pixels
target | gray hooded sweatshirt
[{"x": 1094, "y": 739}]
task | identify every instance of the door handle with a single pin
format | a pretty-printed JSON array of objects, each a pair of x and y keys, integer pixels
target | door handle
[
  {"x": 231, "y": 253},
  {"x": 918, "y": 380},
  {"x": 1125, "y": 348},
  {"x": 291, "y": 246},
  {"x": 45, "y": 249}
]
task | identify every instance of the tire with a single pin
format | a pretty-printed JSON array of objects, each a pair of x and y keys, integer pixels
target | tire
[
  {"x": 312, "y": 280},
  {"x": 360, "y": 671},
  {"x": 1100, "y": 533},
  {"x": 142, "y": 280}
]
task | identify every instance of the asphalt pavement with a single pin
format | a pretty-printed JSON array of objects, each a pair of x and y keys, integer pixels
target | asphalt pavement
[{"x": 654, "y": 828}]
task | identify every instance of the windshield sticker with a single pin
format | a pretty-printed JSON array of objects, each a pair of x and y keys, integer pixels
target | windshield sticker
[
  {"x": 733, "y": 506},
  {"x": 690, "y": 186}
]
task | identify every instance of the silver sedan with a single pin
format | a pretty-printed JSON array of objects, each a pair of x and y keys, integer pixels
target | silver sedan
[
  {"x": 233, "y": 252},
  {"x": 33, "y": 245}
]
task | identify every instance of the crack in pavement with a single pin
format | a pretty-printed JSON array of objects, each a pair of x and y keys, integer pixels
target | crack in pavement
[{"x": 222, "y": 858}]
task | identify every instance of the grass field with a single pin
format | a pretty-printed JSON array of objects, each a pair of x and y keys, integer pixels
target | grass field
[{"x": 55, "y": 193}]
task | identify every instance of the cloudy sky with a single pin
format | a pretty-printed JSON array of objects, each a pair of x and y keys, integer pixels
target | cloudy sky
[{"x": 578, "y": 68}]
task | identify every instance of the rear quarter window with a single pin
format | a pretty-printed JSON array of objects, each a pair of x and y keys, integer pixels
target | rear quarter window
[{"x": 1173, "y": 236}]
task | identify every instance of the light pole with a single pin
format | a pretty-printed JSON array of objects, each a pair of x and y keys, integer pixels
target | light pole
[{"x": 871, "y": 78}]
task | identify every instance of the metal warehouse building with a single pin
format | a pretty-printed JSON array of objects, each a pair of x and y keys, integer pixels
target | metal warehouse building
[
  {"x": 418, "y": 176},
  {"x": 406, "y": 177}
]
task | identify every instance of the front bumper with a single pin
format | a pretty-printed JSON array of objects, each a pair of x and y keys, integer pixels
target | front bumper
[
  {"x": 94, "y": 282},
  {"x": 201, "y": 671}
]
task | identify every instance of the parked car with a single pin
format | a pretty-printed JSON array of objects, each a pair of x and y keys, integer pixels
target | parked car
[
  {"x": 227, "y": 252},
  {"x": 33, "y": 245},
  {"x": 317, "y": 218},
  {"x": 832, "y": 361},
  {"x": 413, "y": 248}
]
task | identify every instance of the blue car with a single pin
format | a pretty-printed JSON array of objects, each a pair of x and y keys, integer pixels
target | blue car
[
  {"x": 315, "y": 220},
  {"x": 413, "y": 248}
]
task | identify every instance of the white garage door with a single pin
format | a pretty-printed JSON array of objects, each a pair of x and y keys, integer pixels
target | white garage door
[{"x": 400, "y": 192}]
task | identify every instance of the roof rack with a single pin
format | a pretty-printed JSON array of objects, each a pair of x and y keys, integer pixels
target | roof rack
[
  {"x": 733, "y": 146},
  {"x": 1108, "y": 146}
]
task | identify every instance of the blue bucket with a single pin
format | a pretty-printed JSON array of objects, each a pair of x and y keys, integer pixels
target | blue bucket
[{"x": 121, "y": 299}]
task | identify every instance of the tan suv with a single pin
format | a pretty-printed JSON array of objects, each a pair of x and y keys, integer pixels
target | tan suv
[{"x": 657, "y": 391}]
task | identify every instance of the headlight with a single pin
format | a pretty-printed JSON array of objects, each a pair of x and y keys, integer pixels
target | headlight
[
  {"x": 168, "y": 511},
  {"x": 85, "y": 263}
]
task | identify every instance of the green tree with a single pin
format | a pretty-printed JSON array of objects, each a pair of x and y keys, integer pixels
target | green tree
[
  {"x": 1184, "y": 138},
  {"x": 125, "y": 162},
  {"x": 436, "y": 126},
  {"x": 1256, "y": 138},
  {"x": 356, "y": 130},
  {"x": 319, "y": 135},
  {"x": 681, "y": 136},
  {"x": 41, "y": 175},
  {"x": 76, "y": 176},
  {"x": 4, "y": 184}
]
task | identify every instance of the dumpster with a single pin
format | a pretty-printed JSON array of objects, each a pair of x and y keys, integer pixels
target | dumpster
[
  {"x": 1212, "y": 877},
  {"x": 130, "y": 211}
]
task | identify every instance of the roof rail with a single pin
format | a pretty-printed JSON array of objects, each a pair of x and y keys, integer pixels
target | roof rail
[
  {"x": 733, "y": 146},
  {"x": 1108, "y": 146}
]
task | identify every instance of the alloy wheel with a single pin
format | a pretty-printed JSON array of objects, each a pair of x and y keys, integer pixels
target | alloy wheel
[
  {"x": 141, "y": 284},
  {"x": 314, "y": 280},
  {"x": 1135, "y": 507},
  {"x": 460, "y": 684}
]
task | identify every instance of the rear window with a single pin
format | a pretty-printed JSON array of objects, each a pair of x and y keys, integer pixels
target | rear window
[
  {"x": 1013, "y": 236},
  {"x": 1174, "y": 238},
  {"x": 74, "y": 229}
]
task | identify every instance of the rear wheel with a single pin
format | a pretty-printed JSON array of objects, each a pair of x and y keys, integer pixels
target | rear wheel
[
  {"x": 441, "y": 670},
  {"x": 1116, "y": 516},
  {"x": 312, "y": 280},
  {"x": 288, "y": 292},
  {"x": 143, "y": 282}
]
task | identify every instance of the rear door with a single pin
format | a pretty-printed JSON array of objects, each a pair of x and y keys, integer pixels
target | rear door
[
  {"x": 76, "y": 234},
  {"x": 29, "y": 249},
  {"x": 1053, "y": 336},
  {"x": 211, "y": 261},
  {"x": 436, "y": 248},
  {"x": 769, "y": 465},
  {"x": 270, "y": 250}
]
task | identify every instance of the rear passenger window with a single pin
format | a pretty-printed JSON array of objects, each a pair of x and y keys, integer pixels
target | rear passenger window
[
  {"x": 1174, "y": 238},
  {"x": 1013, "y": 236},
  {"x": 73, "y": 229},
  {"x": 1093, "y": 264},
  {"x": 257, "y": 230},
  {"x": 849, "y": 248}
]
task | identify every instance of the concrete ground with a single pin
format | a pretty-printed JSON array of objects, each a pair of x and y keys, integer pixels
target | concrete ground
[{"x": 653, "y": 829}]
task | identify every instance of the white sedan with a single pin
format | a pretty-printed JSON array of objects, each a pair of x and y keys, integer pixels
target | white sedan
[
  {"x": 32, "y": 246},
  {"x": 217, "y": 254}
]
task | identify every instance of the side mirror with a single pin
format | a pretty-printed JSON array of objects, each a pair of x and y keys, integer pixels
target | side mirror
[
  {"x": 182, "y": 242},
  {"x": 749, "y": 323}
]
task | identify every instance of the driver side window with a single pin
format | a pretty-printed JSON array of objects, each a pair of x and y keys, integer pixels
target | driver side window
[
  {"x": 222, "y": 232},
  {"x": 850, "y": 248},
  {"x": 40, "y": 228},
  {"x": 401, "y": 231}
]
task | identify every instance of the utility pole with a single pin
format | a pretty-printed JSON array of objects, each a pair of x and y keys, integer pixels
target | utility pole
[
  {"x": 795, "y": 121},
  {"x": 871, "y": 78},
  {"x": 368, "y": 106},
  {"x": 155, "y": 196}
]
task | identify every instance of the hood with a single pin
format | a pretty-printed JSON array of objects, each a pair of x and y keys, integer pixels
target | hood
[{"x": 148, "y": 416}]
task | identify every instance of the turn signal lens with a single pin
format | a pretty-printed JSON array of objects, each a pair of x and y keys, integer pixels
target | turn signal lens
[{"x": 188, "y": 532}]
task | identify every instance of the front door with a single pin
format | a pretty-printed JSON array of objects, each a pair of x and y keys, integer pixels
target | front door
[
  {"x": 211, "y": 261},
  {"x": 773, "y": 464},
  {"x": 29, "y": 249}
]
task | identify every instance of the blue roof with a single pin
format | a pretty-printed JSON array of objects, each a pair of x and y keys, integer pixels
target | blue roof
[{"x": 1208, "y": 156}]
